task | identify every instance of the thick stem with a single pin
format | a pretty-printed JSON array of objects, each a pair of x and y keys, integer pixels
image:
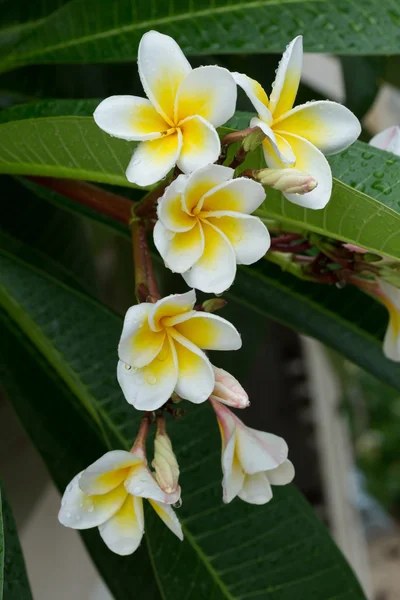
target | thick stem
[
  {"x": 86, "y": 194},
  {"x": 147, "y": 205},
  {"x": 140, "y": 442},
  {"x": 145, "y": 281},
  {"x": 236, "y": 136}
]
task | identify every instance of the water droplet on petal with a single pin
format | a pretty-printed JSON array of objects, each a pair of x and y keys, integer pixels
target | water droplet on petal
[
  {"x": 151, "y": 379},
  {"x": 178, "y": 504}
]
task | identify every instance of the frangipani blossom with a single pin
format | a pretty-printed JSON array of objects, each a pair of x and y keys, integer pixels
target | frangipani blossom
[
  {"x": 161, "y": 351},
  {"x": 299, "y": 137},
  {"x": 389, "y": 295},
  {"x": 109, "y": 495},
  {"x": 388, "y": 139},
  {"x": 205, "y": 227},
  {"x": 252, "y": 460},
  {"x": 176, "y": 124},
  {"x": 228, "y": 390}
]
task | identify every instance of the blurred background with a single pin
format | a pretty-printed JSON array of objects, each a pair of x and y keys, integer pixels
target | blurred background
[{"x": 342, "y": 426}]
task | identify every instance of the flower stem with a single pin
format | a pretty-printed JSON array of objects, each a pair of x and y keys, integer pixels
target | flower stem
[
  {"x": 141, "y": 437},
  {"x": 145, "y": 281},
  {"x": 147, "y": 204}
]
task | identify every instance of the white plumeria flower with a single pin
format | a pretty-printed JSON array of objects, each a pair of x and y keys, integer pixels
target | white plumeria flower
[
  {"x": 388, "y": 139},
  {"x": 389, "y": 295},
  {"x": 299, "y": 137},
  {"x": 109, "y": 495},
  {"x": 176, "y": 124},
  {"x": 161, "y": 351},
  {"x": 252, "y": 460},
  {"x": 228, "y": 390},
  {"x": 205, "y": 227}
]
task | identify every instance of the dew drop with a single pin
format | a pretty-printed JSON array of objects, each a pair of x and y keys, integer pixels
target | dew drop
[
  {"x": 178, "y": 504},
  {"x": 128, "y": 367},
  {"x": 137, "y": 490},
  {"x": 151, "y": 379}
]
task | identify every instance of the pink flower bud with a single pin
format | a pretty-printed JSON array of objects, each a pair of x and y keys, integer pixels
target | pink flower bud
[
  {"x": 290, "y": 181},
  {"x": 388, "y": 139},
  {"x": 228, "y": 390}
]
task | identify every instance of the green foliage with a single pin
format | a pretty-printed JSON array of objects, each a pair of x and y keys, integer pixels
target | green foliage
[
  {"x": 233, "y": 551},
  {"x": 14, "y": 584},
  {"x": 80, "y": 32}
]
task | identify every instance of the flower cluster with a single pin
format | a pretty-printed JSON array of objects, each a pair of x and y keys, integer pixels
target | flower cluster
[{"x": 203, "y": 227}]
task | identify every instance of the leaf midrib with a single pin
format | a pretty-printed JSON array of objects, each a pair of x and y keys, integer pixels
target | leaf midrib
[{"x": 160, "y": 21}]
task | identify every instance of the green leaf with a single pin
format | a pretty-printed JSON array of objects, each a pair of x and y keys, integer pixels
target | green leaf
[
  {"x": 361, "y": 79},
  {"x": 79, "y": 32},
  {"x": 233, "y": 551},
  {"x": 14, "y": 584}
]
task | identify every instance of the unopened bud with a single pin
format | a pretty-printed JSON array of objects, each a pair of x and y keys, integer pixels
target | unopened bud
[
  {"x": 164, "y": 462},
  {"x": 228, "y": 390},
  {"x": 253, "y": 140},
  {"x": 213, "y": 304},
  {"x": 290, "y": 181}
]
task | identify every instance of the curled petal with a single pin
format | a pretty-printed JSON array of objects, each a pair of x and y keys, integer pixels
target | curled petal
[
  {"x": 390, "y": 296},
  {"x": 180, "y": 251},
  {"x": 150, "y": 387},
  {"x": 108, "y": 472},
  {"x": 330, "y": 126},
  {"x": 80, "y": 511},
  {"x": 170, "y": 208},
  {"x": 239, "y": 195},
  {"x": 259, "y": 451},
  {"x": 228, "y": 390},
  {"x": 215, "y": 271},
  {"x": 152, "y": 160},
  {"x": 167, "y": 514},
  {"x": 207, "y": 331},
  {"x": 256, "y": 489},
  {"x": 209, "y": 92},
  {"x": 141, "y": 483},
  {"x": 200, "y": 144},
  {"x": 286, "y": 84},
  {"x": 139, "y": 344},
  {"x": 130, "y": 118},
  {"x": 282, "y": 475},
  {"x": 248, "y": 235},
  {"x": 124, "y": 531},
  {"x": 282, "y": 149},
  {"x": 170, "y": 306},
  {"x": 256, "y": 94},
  {"x": 162, "y": 68}
]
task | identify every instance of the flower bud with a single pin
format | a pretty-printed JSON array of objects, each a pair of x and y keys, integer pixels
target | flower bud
[
  {"x": 228, "y": 390},
  {"x": 213, "y": 304},
  {"x": 164, "y": 463},
  {"x": 253, "y": 140},
  {"x": 290, "y": 181}
]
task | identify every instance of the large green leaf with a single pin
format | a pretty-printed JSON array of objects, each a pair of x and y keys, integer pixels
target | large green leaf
[
  {"x": 14, "y": 584},
  {"x": 81, "y": 32},
  {"x": 73, "y": 146},
  {"x": 235, "y": 551}
]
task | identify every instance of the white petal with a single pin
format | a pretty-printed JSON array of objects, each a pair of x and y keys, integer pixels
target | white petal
[
  {"x": 257, "y": 450},
  {"x": 256, "y": 94},
  {"x": 80, "y": 511},
  {"x": 202, "y": 181},
  {"x": 179, "y": 250},
  {"x": 281, "y": 475},
  {"x": 215, "y": 271},
  {"x": 108, "y": 472},
  {"x": 139, "y": 345},
  {"x": 170, "y": 207},
  {"x": 283, "y": 150},
  {"x": 310, "y": 160},
  {"x": 167, "y": 514},
  {"x": 207, "y": 331},
  {"x": 391, "y": 292},
  {"x": 141, "y": 483},
  {"x": 150, "y": 387},
  {"x": 130, "y": 118},
  {"x": 256, "y": 489},
  {"x": 286, "y": 84},
  {"x": 391, "y": 299},
  {"x": 241, "y": 195},
  {"x": 174, "y": 304},
  {"x": 152, "y": 160},
  {"x": 124, "y": 531},
  {"x": 248, "y": 235},
  {"x": 200, "y": 144},
  {"x": 388, "y": 139},
  {"x": 162, "y": 68},
  {"x": 196, "y": 376},
  {"x": 209, "y": 92},
  {"x": 330, "y": 126}
]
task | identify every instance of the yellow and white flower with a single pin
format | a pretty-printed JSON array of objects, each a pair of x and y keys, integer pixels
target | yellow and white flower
[
  {"x": 205, "y": 227},
  {"x": 252, "y": 460},
  {"x": 388, "y": 139},
  {"x": 109, "y": 495},
  {"x": 389, "y": 295},
  {"x": 176, "y": 124},
  {"x": 299, "y": 137},
  {"x": 161, "y": 351}
]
